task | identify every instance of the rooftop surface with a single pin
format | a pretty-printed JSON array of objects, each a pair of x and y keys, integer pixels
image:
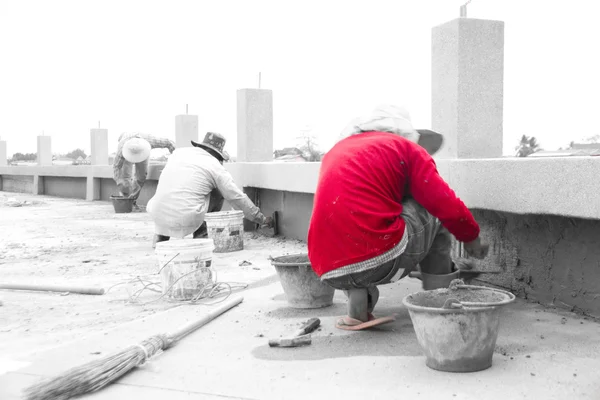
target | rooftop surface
[{"x": 540, "y": 353}]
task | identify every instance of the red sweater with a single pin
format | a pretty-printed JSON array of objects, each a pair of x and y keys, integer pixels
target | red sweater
[{"x": 358, "y": 201}]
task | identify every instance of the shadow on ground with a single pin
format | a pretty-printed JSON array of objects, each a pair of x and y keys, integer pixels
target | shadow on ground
[
  {"x": 395, "y": 339},
  {"x": 389, "y": 340}
]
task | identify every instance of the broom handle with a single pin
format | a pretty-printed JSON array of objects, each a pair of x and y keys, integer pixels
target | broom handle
[
  {"x": 52, "y": 288},
  {"x": 194, "y": 325}
]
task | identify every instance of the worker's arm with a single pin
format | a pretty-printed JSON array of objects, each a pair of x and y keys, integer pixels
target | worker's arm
[
  {"x": 429, "y": 189},
  {"x": 234, "y": 195},
  {"x": 158, "y": 143}
]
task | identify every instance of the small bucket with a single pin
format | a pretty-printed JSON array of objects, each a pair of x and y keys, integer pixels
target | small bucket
[
  {"x": 457, "y": 328},
  {"x": 122, "y": 204},
  {"x": 189, "y": 269},
  {"x": 302, "y": 287},
  {"x": 226, "y": 229}
]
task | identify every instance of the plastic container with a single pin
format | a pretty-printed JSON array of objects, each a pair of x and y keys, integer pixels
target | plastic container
[
  {"x": 457, "y": 328},
  {"x": 226, "y": 229},
  {"x": 302, "y": 287},
  {"x": 189, "y": 270},
  {"x": 122, "y": 204}
]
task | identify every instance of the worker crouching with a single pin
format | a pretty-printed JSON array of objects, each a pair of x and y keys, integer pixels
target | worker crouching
[
  {"x": 381, "y": 210},
  {"x": 195, "y": 182}
]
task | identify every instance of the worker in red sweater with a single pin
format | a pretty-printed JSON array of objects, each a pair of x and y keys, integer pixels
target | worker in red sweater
[{"x": 381, "y": 210}]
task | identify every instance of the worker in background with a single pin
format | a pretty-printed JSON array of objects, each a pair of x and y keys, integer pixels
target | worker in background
[
  {"x": 195, "y": 182},
  {"x": 381, "y": 210},
  {"x": 134, "y": 150}
]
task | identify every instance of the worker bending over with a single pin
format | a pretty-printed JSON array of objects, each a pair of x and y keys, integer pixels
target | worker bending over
[{"x": 134, "y": 150}]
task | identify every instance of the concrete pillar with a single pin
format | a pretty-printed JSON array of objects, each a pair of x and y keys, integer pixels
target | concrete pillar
[
  {"x": 99, "y": 146},
  {"x": 254, "y": 125},
  {"x": 3, "y": 154},
  {"x": 92, "y": 188},
  {"x": 467, "y": 66},
  {"x": 44, "y": 150},
  {"x": 186, "y": 130},
  {"x": 38, "y": 185}
]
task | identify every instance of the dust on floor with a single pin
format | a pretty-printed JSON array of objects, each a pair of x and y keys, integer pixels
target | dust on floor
[{"x": 48, "y": 240}]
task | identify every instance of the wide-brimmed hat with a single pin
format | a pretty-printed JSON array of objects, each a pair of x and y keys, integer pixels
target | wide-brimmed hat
[
  {"x": 214, "y": 141},
  {"x": 394, "y": 119},
  {"x": 136, "y": 150}
]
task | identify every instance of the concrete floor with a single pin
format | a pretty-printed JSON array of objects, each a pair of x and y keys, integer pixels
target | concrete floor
[{"x": 541, "y": 353}]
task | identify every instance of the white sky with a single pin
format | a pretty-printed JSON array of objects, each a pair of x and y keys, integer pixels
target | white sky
[{"x": 133, "y": 65}]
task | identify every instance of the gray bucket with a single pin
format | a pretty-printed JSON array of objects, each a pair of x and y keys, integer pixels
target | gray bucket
[{"x": 302, "y": 287}]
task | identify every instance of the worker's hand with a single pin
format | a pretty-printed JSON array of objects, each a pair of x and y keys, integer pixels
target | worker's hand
[
  {"x": 477, "y": 249},
  {"x": 269, "y": 223}
]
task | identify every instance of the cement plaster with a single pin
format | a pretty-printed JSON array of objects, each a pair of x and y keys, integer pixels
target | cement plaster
[
  {"x": 549, "y": 259},
  {"x": 294, "y": 211}
]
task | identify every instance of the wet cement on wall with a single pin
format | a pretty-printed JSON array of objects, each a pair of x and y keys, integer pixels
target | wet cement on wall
[
  {"x": 294, "y": 210},
  {"x": 548, "y": 259}
]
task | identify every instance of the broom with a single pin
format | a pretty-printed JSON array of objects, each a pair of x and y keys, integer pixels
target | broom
[{"x": 96, "y": 374}]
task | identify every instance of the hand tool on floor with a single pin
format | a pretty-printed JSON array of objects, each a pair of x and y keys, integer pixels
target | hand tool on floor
[
  {"x": 53, "y": 288},
  {"x": 96, "y": 374},
  {"x": 299, "y": 338}
]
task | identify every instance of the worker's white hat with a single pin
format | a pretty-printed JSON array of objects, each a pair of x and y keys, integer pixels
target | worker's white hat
[
  {"x": 136, "y": 150},
  {"x": 395, "y": 119}
]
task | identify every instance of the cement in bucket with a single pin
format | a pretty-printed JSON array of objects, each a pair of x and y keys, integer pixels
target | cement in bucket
[
  {"x": 189, "y": 270},
  {"x": 226, "y": 229},
  {"x": 302, "y": 287},
  {"x": 457, "y": 339}
]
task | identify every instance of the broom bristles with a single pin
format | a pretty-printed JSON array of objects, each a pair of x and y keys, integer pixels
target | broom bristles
[{"x": 96, "y": 374}]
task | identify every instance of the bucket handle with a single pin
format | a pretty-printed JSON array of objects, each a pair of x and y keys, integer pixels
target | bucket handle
[{"x": 452, "y": 303}]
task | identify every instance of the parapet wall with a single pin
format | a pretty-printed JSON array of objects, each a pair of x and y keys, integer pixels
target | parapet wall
[{"x": 541, "y": 216}]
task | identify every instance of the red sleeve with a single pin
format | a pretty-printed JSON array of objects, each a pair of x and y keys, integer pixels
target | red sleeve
[{"x": 429, "y": 189}]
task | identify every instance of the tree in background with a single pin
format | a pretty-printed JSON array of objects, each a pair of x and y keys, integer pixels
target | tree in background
[
  {"x": 309, "y": 146},
  {"x": 75, "y": 154},
  {"x": 592, "y": 139},
  {"x": 24, "y": 157},
  {"x": 527, "y": 146}
]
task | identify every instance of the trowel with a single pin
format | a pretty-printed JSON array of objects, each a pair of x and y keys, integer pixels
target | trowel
[
  {"x": 467, "y": 269},
  {"x": 465, "y": 274}
]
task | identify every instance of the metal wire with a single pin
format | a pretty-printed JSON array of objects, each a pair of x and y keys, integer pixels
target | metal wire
[{"x": 210, "y": 290}]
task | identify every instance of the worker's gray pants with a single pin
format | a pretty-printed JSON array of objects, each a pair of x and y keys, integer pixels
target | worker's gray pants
[
  {"x": 215, "y": 204},
  {"x": 127, "y": 185},
  {"x": 429, "y": 245}
]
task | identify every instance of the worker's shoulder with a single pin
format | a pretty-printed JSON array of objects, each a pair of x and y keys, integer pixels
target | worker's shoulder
[{"x": 196, "y": 156}]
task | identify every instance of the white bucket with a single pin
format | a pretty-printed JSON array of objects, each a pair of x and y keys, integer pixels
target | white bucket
[
  {"x": 226, "y": 229},
  {"x": 189, "y": 270}
]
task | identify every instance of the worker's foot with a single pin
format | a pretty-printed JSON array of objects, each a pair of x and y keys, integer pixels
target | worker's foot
[
  {"x": 352, "y": 324},
  {"x": 360, "y": 303},
  {"x": 159, "y": 238},
  {"x": 201, "y": 232}
]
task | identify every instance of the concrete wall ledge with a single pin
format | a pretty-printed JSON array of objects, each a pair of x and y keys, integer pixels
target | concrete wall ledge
[
  {"x": 565, "y": 186},
  {"x": 74, "y": 171}
]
